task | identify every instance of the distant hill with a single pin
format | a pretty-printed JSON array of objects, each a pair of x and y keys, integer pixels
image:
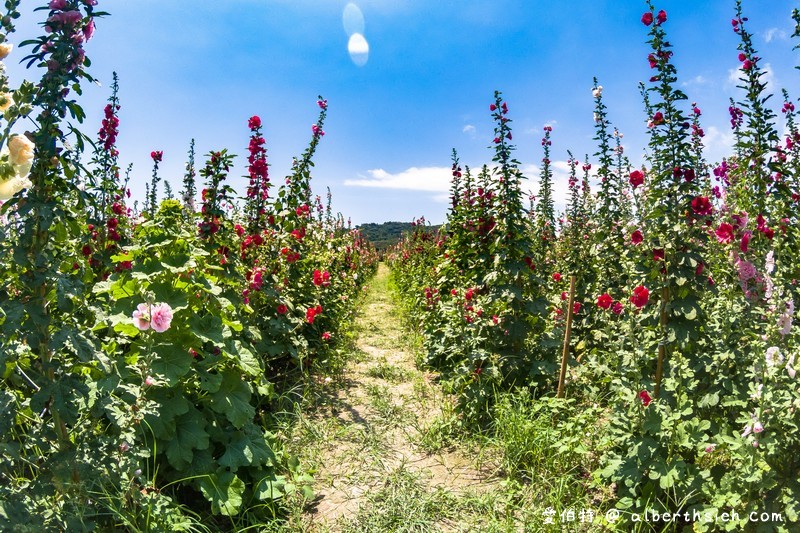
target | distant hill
[{"x": 386, "y": 234}]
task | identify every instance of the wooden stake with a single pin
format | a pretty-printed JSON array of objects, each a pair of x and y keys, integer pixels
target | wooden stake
[{"x": 567, "y": 334}]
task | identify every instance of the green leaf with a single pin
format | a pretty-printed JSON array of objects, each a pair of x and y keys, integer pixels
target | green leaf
[
  {"x": 233, "y": 399},
  {"x": 172, "y": 362},
  {"x": 224, "y": 490},
  {"x": 249, "y": 447},
  {"x": 190, "y": 434}
]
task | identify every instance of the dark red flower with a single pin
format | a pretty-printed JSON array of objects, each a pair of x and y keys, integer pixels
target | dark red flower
[
  {"x": 576, "y": 307},
  {"x": 156, "y": 156},
  {"x": 640, "y": 296},
  {"x": 701, "y": 205},
  {"x": 604, "y": 301},
  {"x": 743, "y": 246},
  {"x": 556, "y": 277},
  {"x": 617, "y": 308},
  {"x": 636, "y": 237},
  {"x": 658, "y": 254},
  {"x": 661, "y": 17},
  {"x": 647, "y": 18},
  {"x": 282, "y": 309},
  {"x": 658, "y": 118}
]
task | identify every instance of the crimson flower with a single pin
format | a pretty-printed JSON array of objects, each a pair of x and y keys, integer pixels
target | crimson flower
[
  {"x": 640, "y": 296},
  {"x": 661, "y": 17},
  {"x": 645, "y": 397},
  {"x": 658, "y": 254},
  {"x": 254, "y": 123},
  {"x": 724, "y": 233},
  {"x": 702, "y": 205},
  {"x": 636, "y": 178},
  {"x": 647, "y": 18},
  {"x": 556, "y": 277},
  {"x": 156, "y": 156},
  {"x": 282, "y": 309},
  {"x": 604, "y": 301},
  {"x": 658, "y": 118},
  {"x": 617, "y": 308},
  {"x": 636, "y": 237},
  {"x": 743, "y": 246},
  {"x": 576, "y": 307}
]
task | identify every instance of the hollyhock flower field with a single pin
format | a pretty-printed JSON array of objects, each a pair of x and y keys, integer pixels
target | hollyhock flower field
[
  {"x": 693, "y": 405},
  {"x": 644, "y": 341},
  {"x": 144, "y": 350}
]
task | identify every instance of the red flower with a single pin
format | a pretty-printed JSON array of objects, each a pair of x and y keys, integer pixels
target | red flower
[
  {"x": 636, "y": 237},
  {"x": 640, "y": 296},
  {"x": 645, "y": 397},
  {"x": 86, "y": 250},
  {"x": 326, "y": 336},
  {"x": 239, "y": 230},
  {"x": 647, "y": 18},
  {"x": 617, "y": 308},
  {"x": 661, "y": 17},
  {"x": 563, "y": 296},
  {"x": 469, "y": 294},
  {"x": 724, "y": 233},
  {"x": 743, "y": 246},
  {"x": 310, "y": 314},
  {"x": 576, "y": 307},
  {"x": 156, "y": 156},
  {"x": 636, "y": 178},
  {"x": 702, "y": 205},
  {"x": 254, "y": 123},
  {"x": 658, "y": 254},
  {"x": 282, "y": 309},
  {"x": 322, "y": 279},
  {"x": 556, "y": 277},
  {"x": 604, "y": 301},
  {"x": 658, "y": 118},
  {"x": 699, "y": 269}
]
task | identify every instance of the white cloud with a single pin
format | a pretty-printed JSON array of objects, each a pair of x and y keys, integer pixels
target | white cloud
[
  {"x": 775, "y": 33},
  {"x": 768, "y": 77},
  {"x": 429, "y": 179},
  {"x": 560, "y": 171},
  {"x": 697, "y": 80},
  {"x": 469, "y": 129},
  {"x": 719, "y": 144}
]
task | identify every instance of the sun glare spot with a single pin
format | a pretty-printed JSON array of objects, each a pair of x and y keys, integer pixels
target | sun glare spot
[{"x": 358, "y": 47}]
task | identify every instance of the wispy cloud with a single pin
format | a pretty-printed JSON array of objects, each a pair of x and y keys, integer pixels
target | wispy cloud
[
  {"x": 428, "y": 179},
  {"x": 775, "y": 33},
  {"x": 719, "y": 144},
  {"x": 469, "y": 129}
]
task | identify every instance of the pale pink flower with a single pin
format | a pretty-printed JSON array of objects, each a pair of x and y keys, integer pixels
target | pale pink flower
[
  {"x": 141, "y": 317},
  {"x": 710, "y": 448},
  {"x": 161, "y": 317},
  {"x": 774, "y": 357},
  {"x": 149, "y": 381},
  {"x": 747, "y": 430},
  {"x": 789, "y": 368},
  {"x": 785, "y": 320},
  {"x": 757, "y": 427},
  {"x": 747, "y": 270}
]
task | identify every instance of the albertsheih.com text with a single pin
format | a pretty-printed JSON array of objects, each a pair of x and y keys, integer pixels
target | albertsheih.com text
[{"x": 708, "y": 516}]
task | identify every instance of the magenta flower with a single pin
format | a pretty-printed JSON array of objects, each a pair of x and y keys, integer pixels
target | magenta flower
[
  {"x": 724, "y": 233},
  {"x": 647, "y": 18}
]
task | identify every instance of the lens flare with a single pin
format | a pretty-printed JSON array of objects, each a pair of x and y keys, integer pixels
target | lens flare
[{"x": 353, "y": 20}]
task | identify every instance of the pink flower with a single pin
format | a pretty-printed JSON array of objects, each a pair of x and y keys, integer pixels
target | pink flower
[
  {"x": 747, "y": 271},
  {"x": 141, "y": 317},
  {"x": 724, "y": 233},
  {"x": 326, "y": 336},
  {"x": 647, "y": 18},
  {"x": 661, "y": 17},
  {"x": 323, "y": 104},
  {"x": 156, "y": 156},
  {"x": 617, "y": 308},
  {"x": 148, "y": 381},
  {"x": 254, "y": 123},
  {"x": 161, "y": 317},
  {"x": 317, "y": 131}
]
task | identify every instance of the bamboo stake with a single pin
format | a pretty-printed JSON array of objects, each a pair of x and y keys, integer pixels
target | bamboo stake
[
  {"x": 567, "y": 334},
  {"x": 662, "y": 346}
]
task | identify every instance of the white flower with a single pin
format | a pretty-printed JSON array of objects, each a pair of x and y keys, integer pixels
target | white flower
[
  {"x": 596, "y": 92},
  {"x": 5, "y": 49},
  {"x": 747, "y": 430},
  {"x": 596, "y": 117},
  {"x": 785, "y": 320},
  {"x": 757, "y": 427},
  {"x": 774, "y": 356},
  {"x": 12, "y": 186},
  {"x": 769, "y": 264},
  {"x": 789, "y": 368}
]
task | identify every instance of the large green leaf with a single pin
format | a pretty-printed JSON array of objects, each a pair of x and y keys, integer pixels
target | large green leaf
[
  {"x": 190, "y": 434},
  {"x": 233, "y": 399}
]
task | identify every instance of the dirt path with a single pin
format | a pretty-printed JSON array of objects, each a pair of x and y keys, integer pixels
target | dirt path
[{"x": 372, "y": 438}]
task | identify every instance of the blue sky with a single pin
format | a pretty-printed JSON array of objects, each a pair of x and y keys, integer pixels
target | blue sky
[{"x": 200, "y": 68}]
